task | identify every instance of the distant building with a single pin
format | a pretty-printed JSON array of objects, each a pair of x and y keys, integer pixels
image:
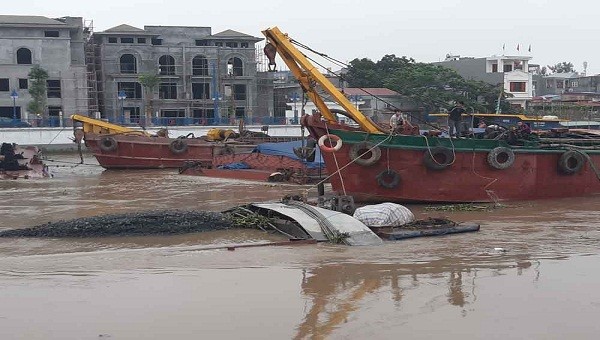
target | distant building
[
  {"x": 559, "y": 83},
  {"x": 57, "y": 45},
  {"x": 513, "y": 72},
  {"x": 205, "y": 78},
  {"x": 376, "y": 101}
]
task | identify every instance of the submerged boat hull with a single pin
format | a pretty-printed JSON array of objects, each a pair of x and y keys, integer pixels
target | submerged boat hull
[
  {"x": 257, "y": 166},
  {"x": 29, "y": 163},
  {"x": 534, "y": 174}
]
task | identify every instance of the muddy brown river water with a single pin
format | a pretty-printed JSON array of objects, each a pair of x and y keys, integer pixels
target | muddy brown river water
[{"x": 532, "y": 272}]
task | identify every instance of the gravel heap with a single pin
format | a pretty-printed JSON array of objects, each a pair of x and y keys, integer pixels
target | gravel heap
[{"x": 143, "y": 223}]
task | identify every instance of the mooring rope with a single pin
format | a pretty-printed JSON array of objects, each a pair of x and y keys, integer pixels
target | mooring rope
[
  {"x": 58, "y": 134},
  {"x": 337, "y": 164},
  {"x": 431, "y": 154},
  {"x": 589, "y": 159}
]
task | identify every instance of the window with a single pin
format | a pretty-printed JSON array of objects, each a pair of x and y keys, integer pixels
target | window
[
  {"x": 517, "y": 86},
  {"x": 112, "y": 40},
  {"x": 54, "y": 115},
  {"x": 518, "y": 65},
  {"x": 231, "y": 44},
  {"x": 23, "y": 56},
  {"x": 173, "y": 117},
  {"x": 51, "y": 34},
  {"x": 549, "y": 83},
  {"x": 239, "y": 92},
  {"x": 574, "y": 83},
  {"x": 53, "y": 88},
  {"x": 156, "y": 41},
  {"x": 507, "y": 68},
  {"x": 166, "y": 65},
  {"x": 126, "y": 40},
  {"x": 167, "y": 91},
  {"x": 200, "y": 91},
  {"x": 203, "y": 116},
  {"x": 494, "y": 68},
  {"x": 244, "y": 45},
  {"x": 133, "y": 113},
  {"x": 4, "y": 85},
  {"x": 200, "y": 66},
  {"x": 240, "y": 112},
  {"x": 235, "y": 67},
  {"x": 219, "y": 44},
  {"x": 128, "y": 64},
  {"x": 141, "y": 40},
  {"x": 23, "y": 84},
  {"x": 133, "y": 90},
  {"x": 560, "y": 84},
  {"x": 201, "y": 43},
  {"x": 54, "y": 111}
]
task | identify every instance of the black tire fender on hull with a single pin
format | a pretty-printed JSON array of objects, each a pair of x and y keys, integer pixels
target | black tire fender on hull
[
  {"x": 178, "y": 146},
  {"x": 438, "y": 158},
  {"x": 571, "y": 162},
  {"x": 365, "y": 147},
  {"x": 501, "y": 158},
  {"x": 107, "y": 144},
  {"x": 388, "y": 179}
]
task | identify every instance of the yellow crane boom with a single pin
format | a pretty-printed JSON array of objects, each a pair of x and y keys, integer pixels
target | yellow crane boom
[{"x": 308, "y": 76}]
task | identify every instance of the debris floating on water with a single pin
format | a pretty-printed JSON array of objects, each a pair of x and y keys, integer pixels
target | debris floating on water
[
  {"x": 129, "y": 224},
  {"x": 464, "y": 207}
]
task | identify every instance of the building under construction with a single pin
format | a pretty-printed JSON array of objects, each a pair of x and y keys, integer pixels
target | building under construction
[
  {"x": 173, "y": 75},
  {"x": 57, "y": 46},
  {"x": 162, "y": 75}
]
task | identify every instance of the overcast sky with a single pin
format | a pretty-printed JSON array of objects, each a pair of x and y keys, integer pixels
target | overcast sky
[{"x": 425, "y": 30}]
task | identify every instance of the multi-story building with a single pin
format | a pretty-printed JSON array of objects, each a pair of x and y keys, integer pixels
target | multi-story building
[
  {"x": 203, "y": 78},
  {"x": 559, "y": 83},
  {"x": 57, "y": 46},
  {"x": 510, "y": 71}
]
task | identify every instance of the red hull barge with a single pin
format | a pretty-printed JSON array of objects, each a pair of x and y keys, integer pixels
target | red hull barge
[
  {"x": 118, "y": 147},
  {"x": 150, "y": 152},
  {"x": 538, "y": 170},
  {"x": 396, "y": 163}
]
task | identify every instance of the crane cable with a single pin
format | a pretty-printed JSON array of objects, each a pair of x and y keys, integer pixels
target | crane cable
[{"x": 340, "y": 63}]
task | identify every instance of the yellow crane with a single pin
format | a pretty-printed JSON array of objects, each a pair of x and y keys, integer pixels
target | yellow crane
[{"x": 308, "y": 76}]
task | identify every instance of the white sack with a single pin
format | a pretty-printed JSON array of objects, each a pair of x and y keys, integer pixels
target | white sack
[{"x": 384, "y": 215}]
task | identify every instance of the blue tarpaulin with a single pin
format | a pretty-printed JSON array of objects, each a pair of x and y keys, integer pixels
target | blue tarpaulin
[
  {"x": 234, "y": 166},
  {"x": 287, "y": 149}
]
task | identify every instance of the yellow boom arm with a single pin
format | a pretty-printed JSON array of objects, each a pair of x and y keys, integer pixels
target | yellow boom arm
[
  {"x": 91, "y": 125},
  {"x": 308, "y": 75}
]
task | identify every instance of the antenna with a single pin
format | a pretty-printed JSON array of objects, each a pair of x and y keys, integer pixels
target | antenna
[{"x": 585, "y": 65}]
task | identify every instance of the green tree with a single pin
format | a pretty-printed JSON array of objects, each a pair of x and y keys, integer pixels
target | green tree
[
  {"x": 363, "y": 73},
  {"x": 149, "y": 83},
  {"x": 427, "y": 85},
  {"x": 564, "y": 67},
  {"x": 38, "y": 91}
]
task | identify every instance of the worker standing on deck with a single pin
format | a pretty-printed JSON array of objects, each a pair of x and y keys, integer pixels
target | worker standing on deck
[
  {"x": 523, "y": 130},
  {"x": 397, "y": 121},
  {"x": 455, "y": 119}
]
